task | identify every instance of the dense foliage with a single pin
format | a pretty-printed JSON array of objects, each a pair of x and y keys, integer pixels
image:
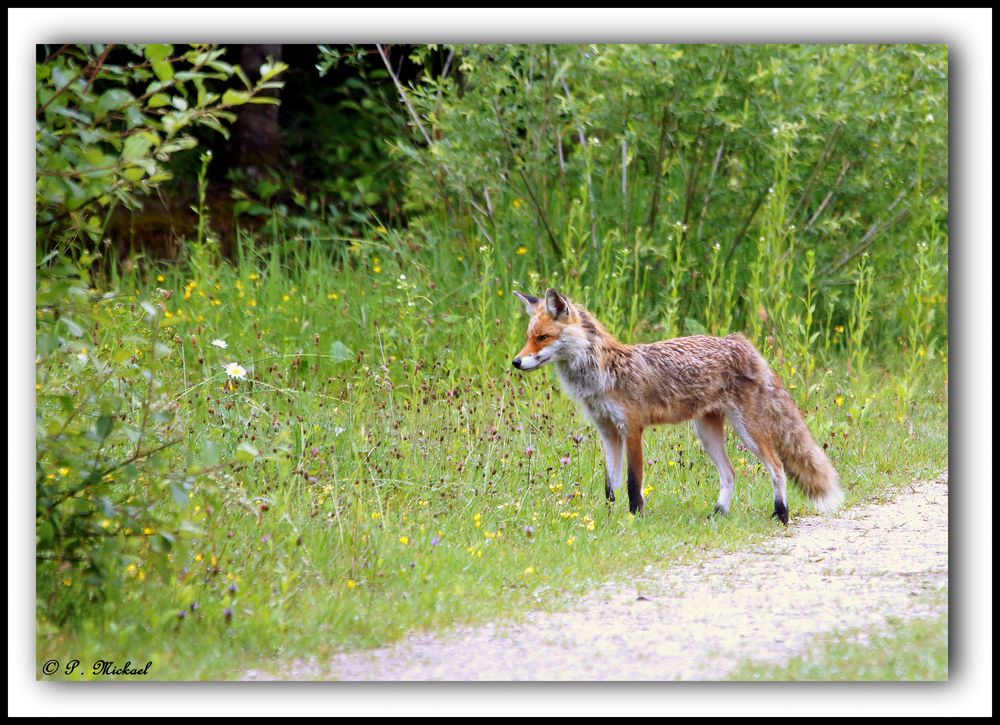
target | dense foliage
[
  {"x": 109, "y": 118},
  {"x": 745, "y": 157}
]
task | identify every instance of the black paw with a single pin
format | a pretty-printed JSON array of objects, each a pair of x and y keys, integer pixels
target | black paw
[
  {"x": 635, "y": 507},
  {"x": 718, "y": 510},
  {"x": 609, "y": 493},
  {"x": 780, "y": 512}
]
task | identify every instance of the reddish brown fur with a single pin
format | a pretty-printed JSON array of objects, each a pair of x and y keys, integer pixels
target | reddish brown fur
[{"x": 631, "y": 387}]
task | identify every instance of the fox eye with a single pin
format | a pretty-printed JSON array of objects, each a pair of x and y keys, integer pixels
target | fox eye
[{"x": 542, "y": 338}]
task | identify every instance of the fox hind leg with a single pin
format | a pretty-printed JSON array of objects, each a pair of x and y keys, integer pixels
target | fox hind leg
[
  {"x": 713, "y": 439},
  {"x": 756, "y": 438}
]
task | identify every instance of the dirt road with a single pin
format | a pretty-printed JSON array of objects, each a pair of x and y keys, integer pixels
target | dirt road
[{"x": 698, "y": 622}]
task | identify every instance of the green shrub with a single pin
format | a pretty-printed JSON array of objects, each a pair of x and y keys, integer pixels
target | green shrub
[{"x": 110, "y": 117}]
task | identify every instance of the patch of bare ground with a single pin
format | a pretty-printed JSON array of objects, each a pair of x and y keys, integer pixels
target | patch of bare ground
[{"x": 698, "y": 622}]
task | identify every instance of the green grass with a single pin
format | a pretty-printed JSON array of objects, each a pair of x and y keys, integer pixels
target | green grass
[
  {"x": 906, "y": 650},
  {"x": 395, "y": 472}
]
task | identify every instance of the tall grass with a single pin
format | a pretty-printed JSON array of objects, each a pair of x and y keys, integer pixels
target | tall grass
[{"x": 389, "y": 470}]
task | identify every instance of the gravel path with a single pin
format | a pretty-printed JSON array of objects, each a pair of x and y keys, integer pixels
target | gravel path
[{"x": 698, "y": 622}]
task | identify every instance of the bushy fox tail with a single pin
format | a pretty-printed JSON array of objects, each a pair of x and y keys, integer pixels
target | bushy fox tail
[{"x": 802, "y": 458}]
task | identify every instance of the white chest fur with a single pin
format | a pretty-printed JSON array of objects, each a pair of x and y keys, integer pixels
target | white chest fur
[{"x": 586, "y": 382}]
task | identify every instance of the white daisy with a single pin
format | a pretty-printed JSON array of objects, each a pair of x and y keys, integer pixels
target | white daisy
[
  {"x": 222, "y": 344},
  {"x": 235, "y": 371}
]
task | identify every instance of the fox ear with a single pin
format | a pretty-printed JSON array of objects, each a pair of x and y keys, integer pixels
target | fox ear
[
  {"x": 529, "y": 302},
  {"x": 555, "y": 303}
]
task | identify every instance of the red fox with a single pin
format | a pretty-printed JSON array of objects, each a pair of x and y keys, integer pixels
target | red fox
[{"x": 625, "y": 388}]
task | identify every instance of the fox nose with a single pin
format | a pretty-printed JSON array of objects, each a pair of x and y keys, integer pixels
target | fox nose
[{"x": 517, "y": 363}]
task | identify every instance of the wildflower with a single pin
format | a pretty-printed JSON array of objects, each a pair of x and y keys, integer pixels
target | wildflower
[
  {"x": 64, "y": 471},
  {"x": 478, "y": 518},
  {"x": 376, "y": 515},
  {"x": 565, "y": 460},
  {"x": 839, "y": 401},
  {"x": 404, "y": 540},
  {"x": 333, "y": 296},
  {"x": 529, "y": 451},
  {"x": 517, "y": 203},
  {"x": 228, "y": 614},
  {"x": 839, "y": 329},
  {"x": 435, "y": 541},
  {"x": 381, "y": 230},
  {"x": 377, "y": 269},
  {"x": 235, "y": 371},
  {"x": 521, "y": 251},
  {"x": 221, "y": 344},
  {"x": 351, "y": 584},
  {"x": 160, "y": 278},
  {"x": 285, "y": 298},
  {"x": 529, "y": 571},
  {"x": 571, "y": 540}
]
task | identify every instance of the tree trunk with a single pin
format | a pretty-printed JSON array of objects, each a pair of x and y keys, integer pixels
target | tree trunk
[{"x": 257, "y": 132}]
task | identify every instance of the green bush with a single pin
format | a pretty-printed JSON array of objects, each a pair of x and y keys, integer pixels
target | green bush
[
  {"x": 109, "y": 120},
  {"x": 742, "y": 156},
  {"x": 110, "y": 117}
]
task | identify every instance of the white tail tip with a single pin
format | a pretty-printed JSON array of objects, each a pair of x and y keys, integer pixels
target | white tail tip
[{"x": 830, "y": 501}]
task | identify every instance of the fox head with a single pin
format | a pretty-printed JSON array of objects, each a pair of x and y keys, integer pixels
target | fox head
[{"x": 551, "y": 333}]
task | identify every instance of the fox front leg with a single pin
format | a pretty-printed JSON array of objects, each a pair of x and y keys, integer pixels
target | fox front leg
[
  {"x": 634, "y": 449},
  {"x": 614, "y": 455}
]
